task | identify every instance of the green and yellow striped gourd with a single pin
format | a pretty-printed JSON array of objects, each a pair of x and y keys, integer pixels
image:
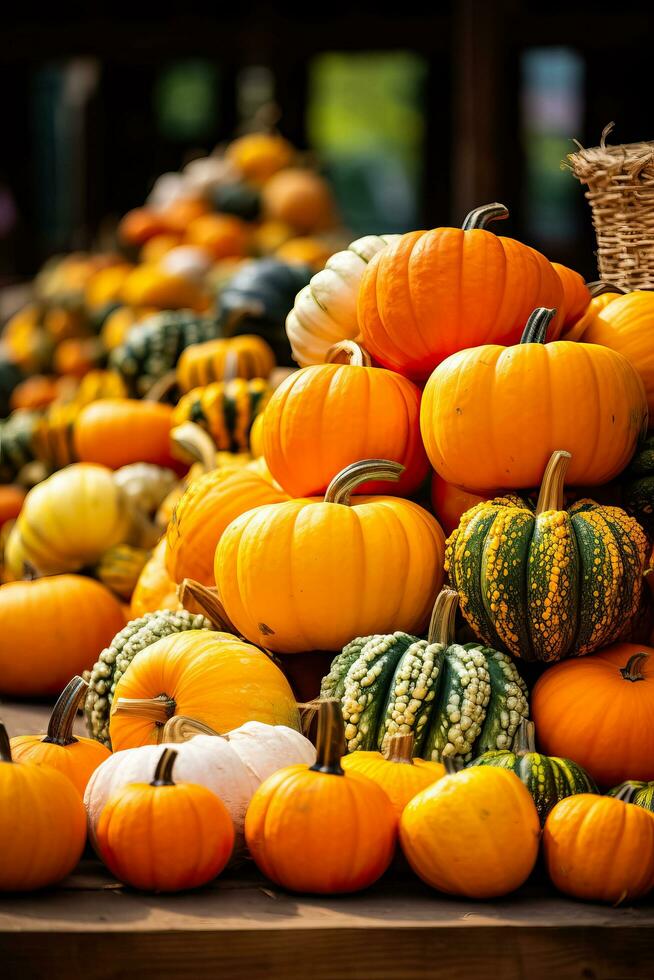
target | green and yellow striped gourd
[
  {"x": 548, "y": 778},
  {"x": 119, "y": 568},
  {"x": 116, "y": 658},
  {"x": 636, "y": 792},
  {"x": 226, "y": 409},
  {"x": 457, "y": 701},
  {"x": 16, "y": 442},
  {"x": 551, "y": 583}
]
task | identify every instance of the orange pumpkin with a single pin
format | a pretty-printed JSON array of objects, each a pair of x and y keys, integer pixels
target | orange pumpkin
[
  {"x": 577, "y": 329},
  {"x": 484, "y": 424},
  {"x": 600, "y": 849},
  {"x": 309, "y": 251},
  {"x": 180, "y": 213},
  {"x": 260, "y": 155},
  {"x": 326, "y": 416},
  {"x": 11, "y": 501},
  {"x": 299, "y": 198},
  {"x": 310, "y": 574},
  {"x": 139, "y": 225},
  {"x": 576, "y": 294},
  {"x": 105, "y": 285},
  {"x": 343, "y": 823},
  {"x": 154, "y": 589},
  {"x": 76, "y": 758},
  {"x": 155, "y": 248},
  {"x": 625, "y": 325},
  {"x": 42, "y": 823},
  {"x": 450, "y": 503},
  {"x": 223, "y": 235},
  {"x": 207, "y": 507},
  {"x": 53, "y": 628},
  {"x": 211, "y": 677},
  {"x": 35, "y": 392},
  {"x": 399, "y": 775},
  {"x": 598, "y": 710},
  {"x": 117, "y": 431},
  {"x": 436, "y": 292},
  {"x": 150, "y": 285},
  {"x": 474, "y": 833},
  {"x": 142, "y": 835},
  {"x": 77, "y": 357}
]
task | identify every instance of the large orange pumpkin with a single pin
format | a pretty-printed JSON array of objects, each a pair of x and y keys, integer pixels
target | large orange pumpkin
[
  {"x": 118, "y": 431},
  {"x": 626, "y": 325},
  {"x": 436, "y": 292},
  {"x": 576, "y": 330},
  {"x": 576, "y": 294},
  {"x": 598, "y": 710},
  {"x": 492, "y": 416},
  {"x": 211, "y": 677},
  {"x": 326, "y": 416},
  {"x": 450, "y": 503},
  {"x": 207, "y": 507},
  {"x": 311, "y": 574},
  {"x": 51, "y": 629}
]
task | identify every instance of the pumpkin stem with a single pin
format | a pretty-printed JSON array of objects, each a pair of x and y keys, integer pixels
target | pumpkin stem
[
  {"x": 345, "y": 483},
  {"x": 5, "y": 745},
  {"x": 62, "y": 719},
  {"x": 632, "y": 671},
  {"x": 190, "y": 443},
  {"x": 163, "y": 774},
  {"x": 525, "y": 738},
  {"x": 158, "y": 710},
  {"x": 161, "y": 388},
  {"x": 193, "y": 596},
  {"x": 179, "y": 728},
  {"x": 625, "y": 792},
  {"x": 348, "y": 352},
  {"x": 551, "y": 488},
  {"x": 482, "y": 216},
  {"x": 399, "y": 748},
  {"x": 535, "y": 331},
  {"x": 452, "y": 764},
  {"x": 30, "y": 572},
  {"x": 443, "y": 617},
  {"x": 601, "y": 286},
  {"x": 330, "y": 743}
]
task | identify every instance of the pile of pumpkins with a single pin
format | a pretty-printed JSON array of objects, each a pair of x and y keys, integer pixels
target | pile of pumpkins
[{"x": 435, "y": 534}]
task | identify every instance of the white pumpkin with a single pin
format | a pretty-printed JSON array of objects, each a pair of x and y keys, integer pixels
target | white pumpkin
[
  {"x": 188, "y": 261},
  {"x": 167, "y": 189},
  {"x": 205, "y": 174},
  {"x": 325, "y": 311},
  {"x": 231, "y": 766}
]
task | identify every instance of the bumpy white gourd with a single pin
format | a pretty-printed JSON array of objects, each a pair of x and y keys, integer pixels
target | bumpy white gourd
[
  {"x": 325, "y": 311},
  {"x": 232, "y": 767}
]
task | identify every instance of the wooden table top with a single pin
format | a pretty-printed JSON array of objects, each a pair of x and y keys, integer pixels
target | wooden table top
[{"x": 242, "y": 926}]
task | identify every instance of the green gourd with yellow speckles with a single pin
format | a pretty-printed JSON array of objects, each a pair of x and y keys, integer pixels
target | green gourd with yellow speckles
[
  {"x": 456, "y": 701},
  {"x": 548, "y": 778},
  {"x": 547, "y": 584}
]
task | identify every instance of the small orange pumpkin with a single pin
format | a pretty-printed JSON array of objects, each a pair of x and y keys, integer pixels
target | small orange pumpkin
[
  {"x": 450, "y": 503},
  {"x": 155, "y": 589},
  {"x": 299, "y": 198},
  {"x": 77, "y": 357},
  {"x": 118, "y": 431},
  {"x": 577, "y": 329},
  {"x": 76, "y": 758},
  {"x": 599, "y": 848},
  {"x": 223, "y": 235},
  {"x": 42, "y": 823},
  {"x": 11, "y": 501},
  {"x": 143, "y": 832},
  {"x": 138, "y": 225},
  {"x": 343, "y": 823},
  {"x": 576, "y": 294},
  {"x": 35, "y": 392},
  {"x": 260, "y": 155}
]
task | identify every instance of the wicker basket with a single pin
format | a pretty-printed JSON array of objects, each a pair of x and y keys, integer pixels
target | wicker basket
[{"x": 620, "y": 183}]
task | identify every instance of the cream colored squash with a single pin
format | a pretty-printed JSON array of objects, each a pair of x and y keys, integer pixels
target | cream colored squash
[{"x": 325, "y": 311}]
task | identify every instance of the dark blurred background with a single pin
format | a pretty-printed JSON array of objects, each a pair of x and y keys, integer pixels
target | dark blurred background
[{"x": 417, "y": 115}]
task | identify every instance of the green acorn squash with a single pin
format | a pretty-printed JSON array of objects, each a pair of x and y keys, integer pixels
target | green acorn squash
[
  {"x": 636, "y": 792},
  {"x": 237, "y": 198}
]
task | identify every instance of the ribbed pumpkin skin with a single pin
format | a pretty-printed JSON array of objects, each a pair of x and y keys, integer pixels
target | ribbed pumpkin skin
[
  {"x": 529, "y": 583},
  {"x": 246, "y": 357},
  {"x": 625, "y": 325},
  {"x": 324, "y": 417},
  {"x": 118, "y": 431},
  {"x": 485, "y": 427},
  {"x": 207, "y": 507},
  {"x": 226, "y": 409},
  {"x": 328, "y": 817},
  {"x": 52, "y": 629},
  {"x": 77, "y": 762},
  {"x": 474, "y": 834},
  {"x": 155, "y": 589},
  {"x": 587, "y": 709},
  {"x": 308, "y": 575},
  {"x": 576, "y": 295},
  {"x": 620, "y": 838},
  {"x": 577, "y": 329},
  {"x": 642, "y": 793},
  {"x": 42, "y": 826},
  {"x": 212, "y": 677},
  {"x": 435, "y": 292},
  {"x": 450, "y": 503},
  {"x": 400, "y": 781}
]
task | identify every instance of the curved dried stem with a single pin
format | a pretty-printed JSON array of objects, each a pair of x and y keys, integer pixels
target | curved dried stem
[
  {"x": 190, "y": 443},
  {"x": 399, "y": 748},
  {"x": 163, "y": 774},
  {"x": 198, "y": 598},
  {"x": 481, "y": 217},
  {"x": 536, "y": 327},
  {"x": 180, "y": 728},
  {"x": 553, "y": 482},
  {"x": 345, "y": 483},
  {"x": 330, "y": 744},
  {"x": 633, "y": 670},
  {"x": 62, "y": 719},
  {"x": 348, "y": 352},
  {"x": 443, "y": 617}
]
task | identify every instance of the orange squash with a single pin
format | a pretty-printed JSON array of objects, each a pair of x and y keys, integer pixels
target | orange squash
[
  {"x": 11, "y": 501},
  {"x": 180, "y": 213},
  {"x": 118, "y": 431},
  {"x": 450, "y": 503},
  {"x": 150, "y": 285},
  {"x": 137, "y": 226},
  {"x": 343, "y": 823},
  {"x": 207, "y": 507},
  {"x": 484, "y": 424},
  {"x": 576, "y": 294},
  {"x": 310, "y": 574},
  {"x": 155, "y": 589},
  {"x": 142, "y": 835},
  {"x": 159, "y": 245},
  {"x": 598, "y": 710},
  {"x": 433, "y": 293},
  {"x": 600, "y": 849},
  {"x": 577, "y": 329},
  {"x": 326, "y": 416},
  {"x": 53, "y": 628},
  {"x": 310, "y": 251},
  {"x": 299, "y": 198},
  {"x": 259, "y": 155},
  {"x": 223, "y": 235},
  {"x": 76, "y": 758},
  {"x": 77, "y": 357},
  {"x": 42, "y": 823},
  {"x": 35, "y": 392}
]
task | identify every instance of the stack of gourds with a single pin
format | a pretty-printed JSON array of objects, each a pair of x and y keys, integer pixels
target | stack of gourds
[{"x": 499, "y": 677}]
